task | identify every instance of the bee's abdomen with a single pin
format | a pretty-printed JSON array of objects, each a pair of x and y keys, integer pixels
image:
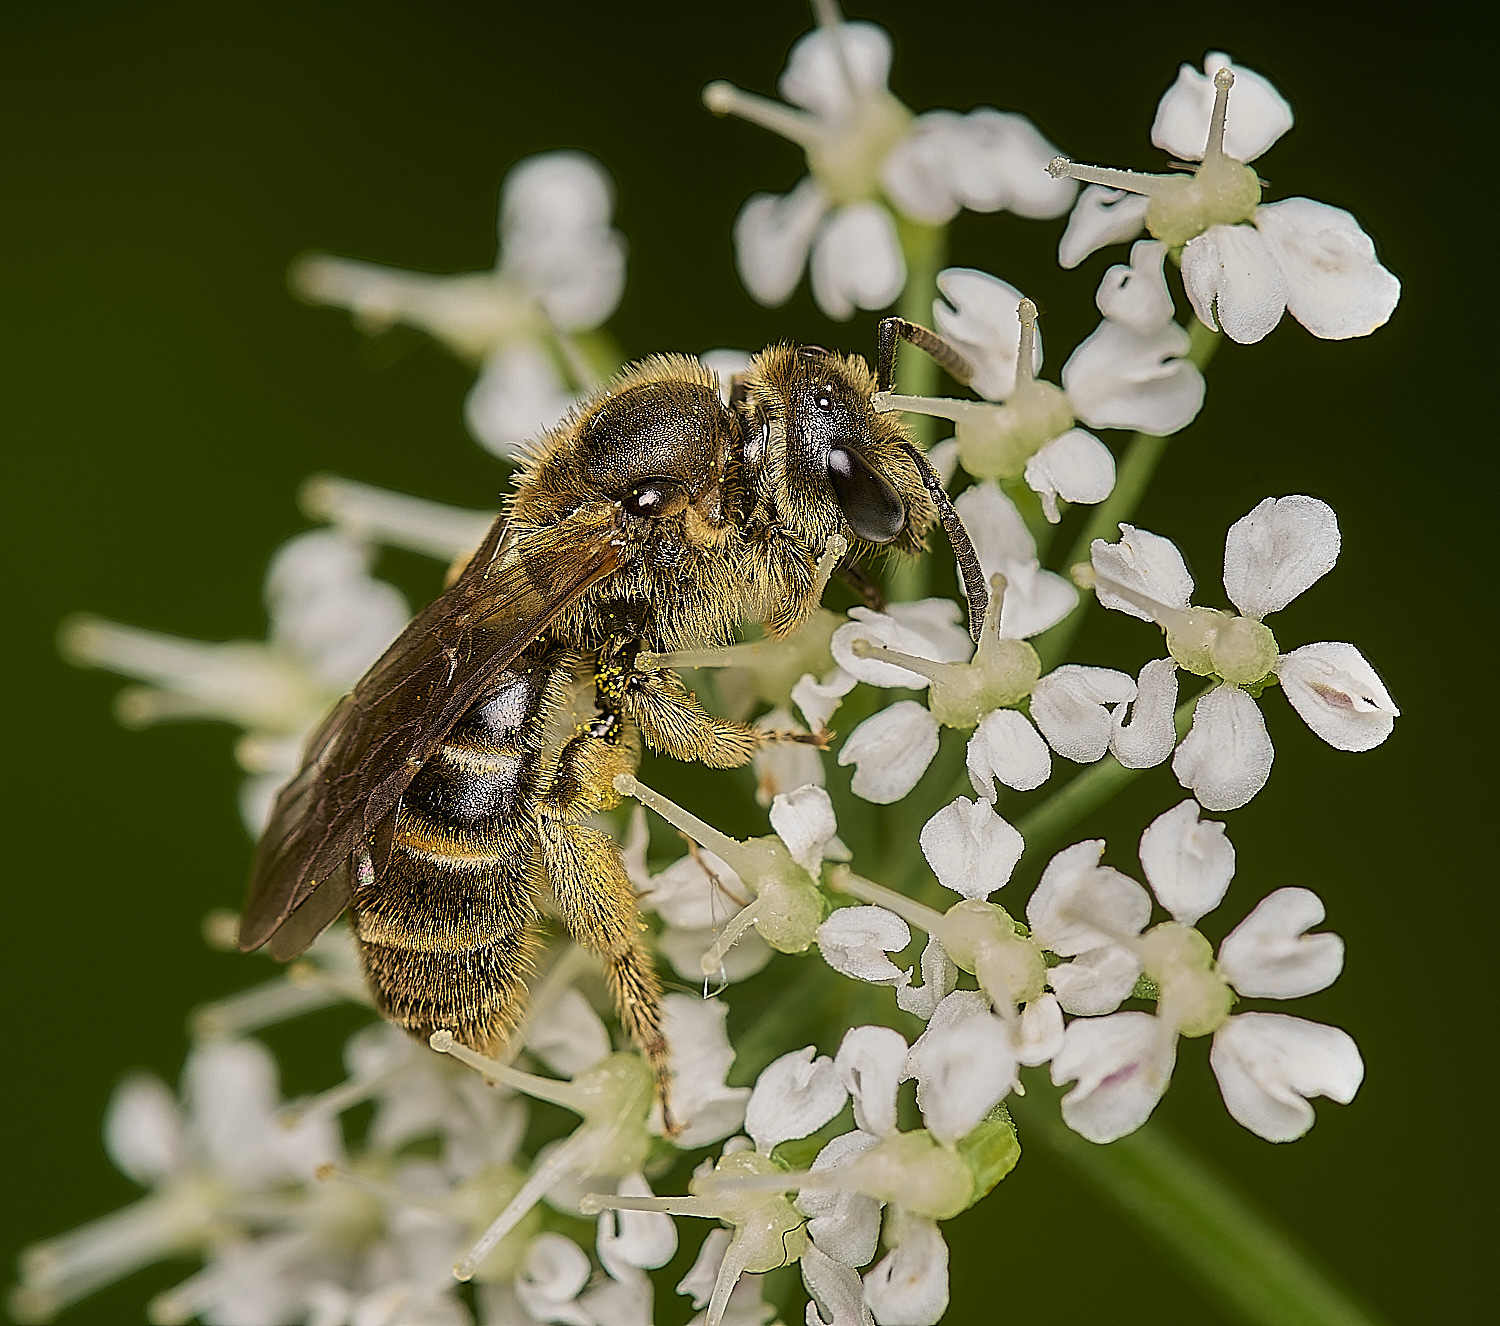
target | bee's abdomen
[{"x": 444, "y": 930}]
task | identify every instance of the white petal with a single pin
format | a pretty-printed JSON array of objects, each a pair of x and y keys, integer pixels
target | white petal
[
  {"x": 794, "y": 1096},
  {"x": 517, "y": 397},
  {"x": 891, "y": 751},
  {"x": 1276, "y": 552},
  {"x": 684, "y": 895},
  {"x": 962, "y": 1066},
  {"x": 920, "y": 174},
  {"x": 142, "y": 1129},
  {"x": 1122, "y": 1064},
  {"x": 555, "y": 237},
  {"x": 1121, "y": 378},
  {"x": 1069, "y": 705},
  {"x": 1338, "y": 695},
  {"x": 818, "y": 699},
  {"x": 1258, "y": 114},
  {"x": 698, "y": 1283},
  {"x": 704, "y": 1108},
  {"x": 567, "y": 1035},
  {"x": 1336, "y": 287},
  {"x": 835, "y": 1293},
  {"x": 1268, "y": 1064},
  {"x": 804, "y": 822},
  {"x": 1007, "y": 747},
  {"x": 1075, "y": 466},
  {"x": 1080, "y": 905},
  {"x": 1095, "y": 982},
  {"x": 857, "y": 261},
  {"x": 909, "y": 1287},
  {"x": 1135, "y": 294},
  {"x": 327, "y": 609},
  {"x": 936, "y": 621},
  {"x": 970, "y": 848},
  {"x": 1270, "y": 955},
  {"x": 1188, "y": 862},
  {"x": 906, "y": 637},
  {"x": 1041, "y": 1031},
  {"x": 870, "y": 1062},
  {"x": 1234, "y": 282},
  {"x": 939, "y": 976},
  {"x": 1002, "y": 162},
  {"x": 725, "y": 365},
  {"x": 1148, "y": 737},
  {"x": 844, "y": 1225},
  {"x": 684, "y": 949},
  {"x": 643, "y": 1239},
  {"x": 978, "y": 313},
  {"x": 1146, "y": 563},
  {"x": 821, "y": 64},
  {"x": 1226, "y": 756},
  {"x": 556, "y": 1271},
  {"x": 1101, "y": 216},
  {"x": 855, "y": 941},
  {"x": 784, "y": 766},
  {"x": 772, "y": 236},
  {"x": 997, "y": 530}
]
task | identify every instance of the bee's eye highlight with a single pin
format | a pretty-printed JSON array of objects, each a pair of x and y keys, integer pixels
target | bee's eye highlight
[
  {"x": 656, "y": 498},
  {"x": 823, "y": 398},
  {"x": 872, "y": 507}
]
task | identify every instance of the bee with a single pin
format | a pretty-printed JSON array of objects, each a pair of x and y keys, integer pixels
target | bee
[{"x": 454, "y": 784}]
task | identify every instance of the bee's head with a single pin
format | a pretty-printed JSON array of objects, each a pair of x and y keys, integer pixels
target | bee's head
[{"x": 819, "y": 457}]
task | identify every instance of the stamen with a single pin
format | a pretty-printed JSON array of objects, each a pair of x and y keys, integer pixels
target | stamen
[
  {"x": 827, "y": 16},
  {"x": 923, "y": 667},
  {"x": 386, "y": 1193},
  {"x": 712, "y": 962},
  {"x": 566, "y": 1094},
  {"x": 334, "y": 1101},
  {"x": 261, "y": 1005},
  {"x": 1132, "y": 181},
  {"x": 828, "y": 563},
  {"x": 843, "y": 880},
  {"x": 1026, "y": 350},
  {"x": 1165, "y": 616},
  {"x": 542, "y": 1179},
  {"x": 939, "y": 407},
  {"x": 595, "y": 1202},
  {"x": 366, "y": 512},
  {"x": 721, "y": 845},
  {"x": 724, "y": 98},
  {"x": 1223, "y": 81}
]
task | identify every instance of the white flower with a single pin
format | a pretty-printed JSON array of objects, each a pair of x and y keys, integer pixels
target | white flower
[
  {"x": 703, "y": 1107},
  {"x": 1270, "y": 557},
  {"x": 1268, "y": 1065},
  {"x": 329, "y": 620},
  {"x": 222, "y": 1169},
  {"x": 559, "y": 272},
  {"x": 867, "y": 154},
  {"x": 1130, "y": 373},
  {"x": 1243, "y": 262}
]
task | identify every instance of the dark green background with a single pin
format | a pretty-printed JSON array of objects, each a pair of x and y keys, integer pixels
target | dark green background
[{"x": 164, "y": 397}]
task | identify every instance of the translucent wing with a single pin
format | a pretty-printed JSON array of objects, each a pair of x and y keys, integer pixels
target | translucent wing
[{"x": 362, "y": 759}]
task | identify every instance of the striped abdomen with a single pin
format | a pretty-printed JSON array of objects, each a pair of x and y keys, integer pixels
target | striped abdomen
[{"x": 445, "y": 930}]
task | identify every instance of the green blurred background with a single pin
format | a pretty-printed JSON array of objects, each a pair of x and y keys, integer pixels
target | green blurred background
[{"x": 165, "y": 396}]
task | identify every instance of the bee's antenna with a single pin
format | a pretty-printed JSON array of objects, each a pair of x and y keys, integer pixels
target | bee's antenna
[
  {"x": 944, "y": 354},
  {"x": 963, "y": 548}
]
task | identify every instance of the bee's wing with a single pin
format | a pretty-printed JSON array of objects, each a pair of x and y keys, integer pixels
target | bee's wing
[{"x": 361, "y": 760}]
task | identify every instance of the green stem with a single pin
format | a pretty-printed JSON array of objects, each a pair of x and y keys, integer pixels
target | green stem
[
  {"x": 1232, "y": 1248},
  {"x": 1132, "y": 476},
  {"x": 1045, "y": 824}
]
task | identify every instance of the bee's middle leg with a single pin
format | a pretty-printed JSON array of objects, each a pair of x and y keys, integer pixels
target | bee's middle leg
[{"x": 672, "y": 721}]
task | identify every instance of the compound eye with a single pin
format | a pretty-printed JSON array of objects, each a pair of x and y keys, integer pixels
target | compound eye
[
  {"x": 872, "y": 507},
  {"x": 656, "y": 498}
]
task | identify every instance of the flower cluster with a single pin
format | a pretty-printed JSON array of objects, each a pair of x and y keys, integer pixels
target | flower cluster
[{"x": 443, "y": 1207}]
